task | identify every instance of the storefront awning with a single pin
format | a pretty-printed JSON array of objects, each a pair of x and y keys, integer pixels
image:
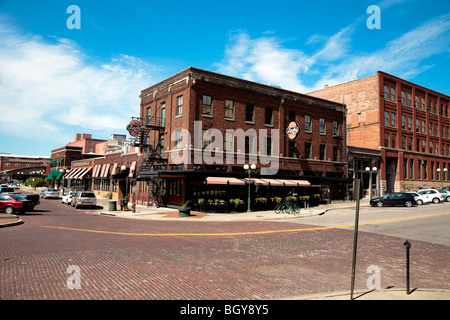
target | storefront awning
[
  {"x": 294, "y": 183},
  {"x": 54, "y": 174},
  {"x": 83, "y": 172},
  {"x": 259, "y": 182},
  {"x": 224, "y": 180},
  {"x": 96, "y": 170}
]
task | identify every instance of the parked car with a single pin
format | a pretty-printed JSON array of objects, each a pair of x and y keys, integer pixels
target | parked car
[
  {"x": 49, "y": 193},
  {"x": 420, "y": 198},
  {"x": 432, "y": 195},
  {"x": 84, "y": 198},
  {"x": 445, "y": 194},
  {"x": 34, "y": 198},
  {"x": 10, "y": 203},
  {"x": 8, "y": 190},
  {"x": 394, "y": 199},
  {"x": 67, "y": 198}
]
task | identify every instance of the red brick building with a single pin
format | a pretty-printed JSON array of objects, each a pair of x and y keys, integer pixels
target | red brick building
[
  {"x": 21, "y": 167},
  {"x": 205, "y": 117},
  {"x": 408, "y": 123},
  {"x": 85, "y": 141}
]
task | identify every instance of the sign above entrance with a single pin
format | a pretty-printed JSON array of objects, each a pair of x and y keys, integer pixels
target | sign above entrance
[{"x": 293, "y": 130}]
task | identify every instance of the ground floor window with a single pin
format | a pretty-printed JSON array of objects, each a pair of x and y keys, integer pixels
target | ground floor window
[
  {"x": 105, "y": 185},
  {"x": 97, "y": 184}
]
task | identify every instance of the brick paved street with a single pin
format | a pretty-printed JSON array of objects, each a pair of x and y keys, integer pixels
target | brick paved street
[{"x": 34, "y": 258}]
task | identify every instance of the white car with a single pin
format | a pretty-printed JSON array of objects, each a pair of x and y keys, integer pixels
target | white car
[
  {"x": 431, "y": 195},
  {"x": 68, "y": 196},
  {"x": 420, "y": 198}
]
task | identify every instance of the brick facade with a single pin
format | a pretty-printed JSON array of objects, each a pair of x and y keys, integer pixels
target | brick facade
[
  {"x": 327, "y": 157},
  {"x": 407, "y": 122}
]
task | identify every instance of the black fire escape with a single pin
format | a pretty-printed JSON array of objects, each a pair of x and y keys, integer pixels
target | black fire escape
[{"x": 149, "y": 133}]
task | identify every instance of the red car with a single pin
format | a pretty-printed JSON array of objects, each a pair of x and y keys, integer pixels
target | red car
[{"x": 12, "y": 203}]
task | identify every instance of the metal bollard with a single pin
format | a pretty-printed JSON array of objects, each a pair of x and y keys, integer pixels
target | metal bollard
[{"x": 407, "y": 245}]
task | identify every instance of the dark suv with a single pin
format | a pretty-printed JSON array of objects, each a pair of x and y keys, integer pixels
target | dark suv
[
  {"x": 394, "y": 199},
  {"x": 84, "y": 198}
]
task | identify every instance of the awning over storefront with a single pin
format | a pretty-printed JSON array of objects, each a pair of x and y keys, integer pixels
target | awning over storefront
[
  {"x": 224, "y": 180},
  {"x": 295, "y": 183},
  {"x": 96, "y": 172},
  {"x": 84, "y": 172},
  {"x": 72, "y": 173},
  {"x": 257, "y": 181},
  {"x": 54, "y": 174}
]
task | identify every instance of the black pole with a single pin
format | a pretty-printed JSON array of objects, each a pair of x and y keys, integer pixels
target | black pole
[
  {"x": 407, "y": 245},
  {"x": 356, "y": 187}
]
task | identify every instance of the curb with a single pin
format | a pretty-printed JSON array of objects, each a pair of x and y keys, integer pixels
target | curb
[{"x": 10, "y": 224}]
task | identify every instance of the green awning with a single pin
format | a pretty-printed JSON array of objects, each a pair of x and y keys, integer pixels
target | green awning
[
  {"x": 54, "y": 174},
  {"x": 56, "y": 160}
]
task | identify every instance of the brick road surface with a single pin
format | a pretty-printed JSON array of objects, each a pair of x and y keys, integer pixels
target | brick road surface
[{"x": 34, "y": 259}]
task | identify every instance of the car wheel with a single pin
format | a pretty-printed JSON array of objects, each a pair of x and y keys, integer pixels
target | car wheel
[
  {"x": 408, "y": 204},
  {"x": 379, "y": 204},
  {"x": 9, "y": 210},
  {"x": 435, "y": 200},
  {"x": 419, "y": 202},
  {"x": 448, "y": 199}
]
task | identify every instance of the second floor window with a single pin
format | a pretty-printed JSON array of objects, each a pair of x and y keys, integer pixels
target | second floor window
[
  {"x": 335, "y": 128},
  {"x": 207, "y": 106},
  {"x": 229, "y": 109},
  {"x": 322, "y": 125},
  {"x": 269, "y": 116},
  {"x": 179, "y": 109},
  {"x": 250, "y": 113},
  {"x": 307, "y": 123}
]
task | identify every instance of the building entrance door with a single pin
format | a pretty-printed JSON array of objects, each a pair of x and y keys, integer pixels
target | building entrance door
[{"x": 391, "y": 169}]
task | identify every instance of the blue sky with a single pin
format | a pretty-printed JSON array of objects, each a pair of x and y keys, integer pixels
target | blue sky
[{"x": 55, "y": 81}]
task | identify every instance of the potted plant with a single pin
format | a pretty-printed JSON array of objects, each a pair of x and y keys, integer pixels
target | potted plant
[{"x": 185, "y": 209}]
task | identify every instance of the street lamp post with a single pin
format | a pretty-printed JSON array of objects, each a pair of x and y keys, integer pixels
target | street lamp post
[
  {"x": 443, "y": 176},
  {"x": 249, "y": 168},
  {"x": 370, "y": 171}
]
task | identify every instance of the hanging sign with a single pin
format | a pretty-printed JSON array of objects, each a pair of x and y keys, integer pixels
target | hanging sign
[
  {"x": 133, "y": 128},
  {"x": 293, "y": 130}
]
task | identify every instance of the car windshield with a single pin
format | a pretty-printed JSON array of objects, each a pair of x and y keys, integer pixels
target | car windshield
[{"x": 20, "y": 198}]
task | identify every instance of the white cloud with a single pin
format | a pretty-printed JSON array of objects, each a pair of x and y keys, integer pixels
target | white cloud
[
  {"x": 47, "y": 85},
  {"x": 266, "y": 60}
]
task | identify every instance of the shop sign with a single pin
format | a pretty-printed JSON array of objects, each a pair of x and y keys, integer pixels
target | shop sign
[
  {"x": 293, "y": 130},
  {"x": 81, "y": 163},
  {"x": 133, "y": 128}
]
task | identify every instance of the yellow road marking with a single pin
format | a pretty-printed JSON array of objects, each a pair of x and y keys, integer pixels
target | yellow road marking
[{"x": 241, "y": 233}]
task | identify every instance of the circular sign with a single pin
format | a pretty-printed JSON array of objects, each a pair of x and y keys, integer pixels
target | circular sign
[
  {"x": 133, "y": 127},
  {"x": 293, "y": 130}
]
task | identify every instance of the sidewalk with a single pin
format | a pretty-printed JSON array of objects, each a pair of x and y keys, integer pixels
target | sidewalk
[
  {"x": 153, "y": 213},
  {"x": 380, "y": 294}
]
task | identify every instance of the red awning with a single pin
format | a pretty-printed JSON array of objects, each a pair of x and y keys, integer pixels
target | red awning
[
  {"x": 259, "y": 182},
  {"x": 224, "y": 180}
]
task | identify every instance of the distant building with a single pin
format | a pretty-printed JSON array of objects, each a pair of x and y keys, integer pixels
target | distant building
[
  {"x": 21, "y": 167},
  {"x": 85, "y": 141}
]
